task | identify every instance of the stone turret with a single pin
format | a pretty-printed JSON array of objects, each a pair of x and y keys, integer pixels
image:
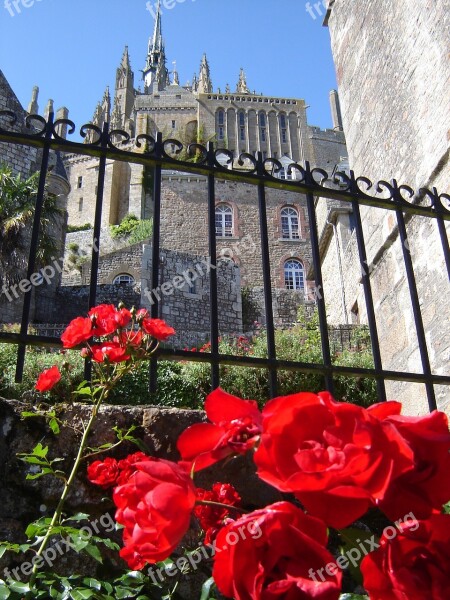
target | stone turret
[
  {"x": 48, "y": 109},
  {"x": 242, "y": 87},
  {"x": 124, "y": 93},
  {"x": 155, "y": 73},
  {"x": 205, "y": 85},
  {"x": 33, "y": 107}
]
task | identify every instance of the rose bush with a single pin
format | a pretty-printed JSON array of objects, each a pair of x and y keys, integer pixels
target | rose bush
[{"x": 334, "y": 458}]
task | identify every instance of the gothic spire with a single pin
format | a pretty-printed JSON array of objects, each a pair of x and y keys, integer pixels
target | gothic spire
[
  {"x": 176, "y": 78},
  {"x": 156, "y": 75},
  {"x": 205, "y": 85},
  {"x": 242, "y": 87}
]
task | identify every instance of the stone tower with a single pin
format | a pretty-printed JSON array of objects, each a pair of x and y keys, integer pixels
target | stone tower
[
  {"x": 155, "y": 73},
  {"x": 33, "y": 107},
  {"x": 124, "y": 94}
]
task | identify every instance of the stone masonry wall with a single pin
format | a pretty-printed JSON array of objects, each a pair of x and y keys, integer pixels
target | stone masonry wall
[{"x": 393, "y": 74}]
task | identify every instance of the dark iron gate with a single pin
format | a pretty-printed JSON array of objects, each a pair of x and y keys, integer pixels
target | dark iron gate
[{"x": 311, "y": 182}]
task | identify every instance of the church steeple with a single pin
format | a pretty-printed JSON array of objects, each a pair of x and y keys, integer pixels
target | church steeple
[
  {"x": 155, "y": 73},
  {"x": 205, "y": 85}
]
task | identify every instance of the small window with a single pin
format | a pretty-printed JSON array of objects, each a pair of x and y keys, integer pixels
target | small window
[
  {"x": 224, "y": 221},
  {"x": 242, "y": 119},
  {"x": 123, "y": 279},
  {"x": 283, "y": 128},
  {"x": 80, "y": 182},
  {"x": 263, "y": 134},
  {"x": 174, "y": 124},
  {"x": 289, "y": 223},
  {"x": 80, "y": 205},
  {"x": 221, "y": 132},
  {"x": 294, "y": 275},
  {"x": 242, "y": 131},
  {"x": 221, "y": 117}
]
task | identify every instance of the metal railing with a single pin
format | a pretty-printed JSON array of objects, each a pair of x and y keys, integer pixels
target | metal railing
[{"x": 310, "y": 182}]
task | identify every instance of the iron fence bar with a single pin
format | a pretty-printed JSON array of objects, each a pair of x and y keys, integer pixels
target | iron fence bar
[
  {"x": 368, "y": 296},
  {"x": 267, "y": 283},
  {"x": 214, "y": 301},
  {"x": 95, "y": 257},
  {"x": 420, "y": 331},
  {"x": 34, "y": 244},
  {"x": 156, "y": 246},
  {"x": 441, "y": 225},
  {"x": 319, "y": 292}
]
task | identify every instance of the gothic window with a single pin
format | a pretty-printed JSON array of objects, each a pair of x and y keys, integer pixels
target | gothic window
[
  {"x": 289, "y": 223},
  {"x": 283, "y": 129},
  {"x": 262, "y": 126},
  {"x": 294, "y": 275},
  {"x": 224, "y": 220},
  {"x": 123, "y": 278},
  {"x": 221, "y": 125},
  {"x": 242, "y": 126}
]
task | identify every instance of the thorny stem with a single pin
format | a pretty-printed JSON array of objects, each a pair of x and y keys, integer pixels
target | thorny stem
[
  {"x": 58, "y": 511},
  {"x": 219, "y": 504}
]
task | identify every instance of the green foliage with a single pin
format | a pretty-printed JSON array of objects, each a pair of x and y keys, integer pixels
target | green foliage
[
  {"x": 133, "y": 229},
  {"x": 17, "y": 208},
  {"x": 74, "y": 228},
  {"x": 37, "y": 360}
]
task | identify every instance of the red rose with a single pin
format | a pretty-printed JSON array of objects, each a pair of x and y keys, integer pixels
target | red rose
[
  {"x": 426, "y": 486},
  {"x": 277, "y": 552},
  {"x": 47, "y": 379},
  {"x": 79, "y": 330},
  {"x": 411, "y": 564},
  {"x": 103, "y": 472},
  {"x": 335, "y": 457},
  {"x": 158, "y": 329},
  {"x": 107, "y": 319},
  {"x": 127, "y": 466},
  {"x": 212, "y": 518},
  {"x": 111, "y": 351},
  {"x": 155, "y": 507},
  {"x": 235, "y": 429}
]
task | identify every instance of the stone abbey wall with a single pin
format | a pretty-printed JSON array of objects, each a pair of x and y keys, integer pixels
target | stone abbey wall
[{"x": 393, "y": 74}]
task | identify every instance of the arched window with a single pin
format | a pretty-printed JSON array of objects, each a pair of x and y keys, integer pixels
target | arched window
[
  {"x": 294, "y": 275},
  {"x": 283, "y": 128},
  {"x": 123, "y": 279},
  {"x": 289, "y": 223},
  {"x": 242, "y": 126},
  {"x": 224, "y": 220},
  {"x": 262, "y": 126},
  {"x": 220, "y": 124}
]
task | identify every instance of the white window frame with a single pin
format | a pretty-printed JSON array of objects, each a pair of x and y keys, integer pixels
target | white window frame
[
  {"x": 290, "y": 223},
  {"x": 123, "y": 278},
  {"x": 294, "y": 275},
  {"x": 224, "y": 220}
]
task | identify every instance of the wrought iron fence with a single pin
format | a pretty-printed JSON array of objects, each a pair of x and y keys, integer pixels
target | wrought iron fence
[{"x": 219, "y": 164}]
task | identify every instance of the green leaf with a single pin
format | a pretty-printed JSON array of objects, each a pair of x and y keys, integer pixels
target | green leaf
[
  {"x": 40, "y": 450},
  {"x": 81, "y": 594},
  {"x": 92, "y": 583},
  {"x": 54, "y": 426},
  {"x": 206, "y": 588},
  {"x": 4, "y": 591},
  {"x": 94, "y": 552},
  {"x": 19, "y": 587},
  {"x": 122, "y": 592},
  {"x": 3, "y": 549},
  {"x": 26, "y": 414},
  {"x": 78, "y": 517}
]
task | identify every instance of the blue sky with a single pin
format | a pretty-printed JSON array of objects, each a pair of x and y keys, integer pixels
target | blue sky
[{"x": 71, "y": 48}]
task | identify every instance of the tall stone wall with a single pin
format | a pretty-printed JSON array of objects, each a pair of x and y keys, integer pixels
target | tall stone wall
[{"x": 394, "y": 74}]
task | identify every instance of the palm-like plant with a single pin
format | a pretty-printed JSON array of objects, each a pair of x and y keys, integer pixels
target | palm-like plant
[{"x": 17, "y": 206}]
